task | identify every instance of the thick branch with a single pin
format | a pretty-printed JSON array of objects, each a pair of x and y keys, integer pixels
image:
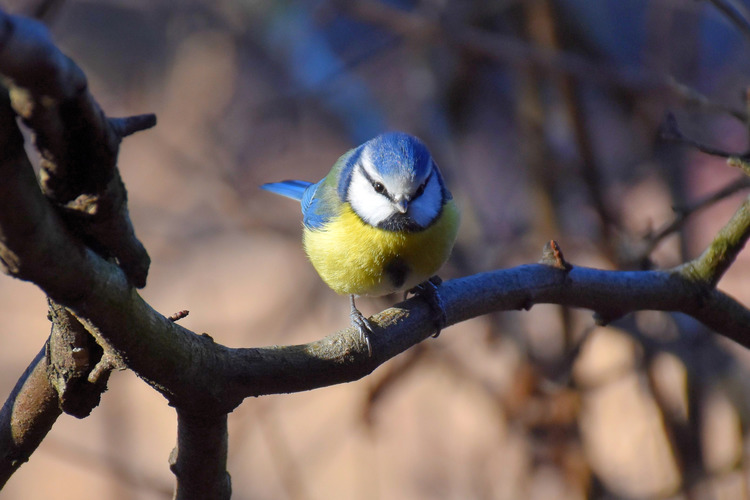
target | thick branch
[
  {"x": 55, "y": 381},
  {"x": 77, "y": 142},
  {"x": 26, "y": 217},
  {"x": 27, "y": 416},
  {"x": 199, "y": 461}
]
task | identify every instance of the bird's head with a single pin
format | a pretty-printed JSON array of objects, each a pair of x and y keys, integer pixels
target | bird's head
[{"x": 393, "y": 183}]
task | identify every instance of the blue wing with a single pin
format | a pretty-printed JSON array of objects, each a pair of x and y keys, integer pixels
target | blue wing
[
  {"x": 291, "y": 189},
  {"x": 315, "y": 209},
  {"x": 323, "y": 200}
]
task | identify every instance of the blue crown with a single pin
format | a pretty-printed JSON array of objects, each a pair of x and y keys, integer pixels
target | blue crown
[{"x": 394, "y": 154}]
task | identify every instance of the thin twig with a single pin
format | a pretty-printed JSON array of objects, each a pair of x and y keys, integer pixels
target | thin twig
[
  {"x": 179, "y": 315},
  {"x": 511, "y": 50},
  {"x": 734, "y": 15},
  {"x": 670, "y": 131},
  {"x": 682, "y": 214},
  {"x": 691, "y": 96},
  {"x": 132, "y": 124}
]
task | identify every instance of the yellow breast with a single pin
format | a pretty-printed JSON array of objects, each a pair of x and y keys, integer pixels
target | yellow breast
[{"x": 353, "y": 257}]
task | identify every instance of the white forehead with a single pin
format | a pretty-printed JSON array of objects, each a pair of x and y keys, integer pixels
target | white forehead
[{"x": 402, "y": 181}]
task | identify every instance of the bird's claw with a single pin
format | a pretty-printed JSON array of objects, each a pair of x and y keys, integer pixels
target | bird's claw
[
  {"x": 428, "y": 290},
  {"x": 363, "y": 325}
]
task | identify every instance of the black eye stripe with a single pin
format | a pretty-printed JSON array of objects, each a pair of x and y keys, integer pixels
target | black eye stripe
[
  {"x": 377, "y": 186},
  {"x": 423, "y": 186}
]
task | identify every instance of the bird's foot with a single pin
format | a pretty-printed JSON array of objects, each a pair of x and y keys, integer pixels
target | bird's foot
[
  {"x": 428, "y": 290},
  {"x": 363, "y": 325}
]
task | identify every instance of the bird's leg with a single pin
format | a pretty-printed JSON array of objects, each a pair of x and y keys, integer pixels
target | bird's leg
[
  {"x": 428, "y": 290},
  {"x": 362, "y": 324}
]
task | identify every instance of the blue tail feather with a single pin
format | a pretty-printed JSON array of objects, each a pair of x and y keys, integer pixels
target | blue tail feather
[{"x": 291, "y": 189}]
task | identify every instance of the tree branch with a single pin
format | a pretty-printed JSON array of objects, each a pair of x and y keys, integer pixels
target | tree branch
[
  {"x": 55, "y": 381},
  {"x": 670, "y": 131},
  {"x": 639, "y": 257},
  {"x": 722, "y": 251},
  {"x": 73, "y": 355},
  {"x": 77, "y": 142},
  {"x": 732, "y": 13},
  {"x": 27, "y": 416},
  {"x": 200, "y": 459}
]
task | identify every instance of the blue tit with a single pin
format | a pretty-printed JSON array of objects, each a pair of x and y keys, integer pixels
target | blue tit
[{"x": 381, "y": 221}]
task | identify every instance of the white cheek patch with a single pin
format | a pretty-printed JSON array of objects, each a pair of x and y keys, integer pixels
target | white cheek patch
[
  {"x": 372, "y": 207},
  {"x": 375, "y": 208},
  {"x": 425, "y": 208}
]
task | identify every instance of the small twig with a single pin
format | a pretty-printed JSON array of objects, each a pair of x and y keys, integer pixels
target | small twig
[
  {"x": 108, "y": 362},
  {"x": 691, "y": 96},
  {"x": 179, "y": 315},
  {"x": 732, "y": 188},
  {"x": 670, "y": 131},
  {"x": 552, "y": 256},
  {"x": 131, "y": 124},
  {"x": 734, "y": 15},
  {"x": 652, "y": 240}
]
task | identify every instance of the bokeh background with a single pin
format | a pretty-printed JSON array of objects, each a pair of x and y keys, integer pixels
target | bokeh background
[{"x": 544, "y": 116}]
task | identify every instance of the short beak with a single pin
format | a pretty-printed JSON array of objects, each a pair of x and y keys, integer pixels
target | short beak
[{"x": 402, "y": 205}]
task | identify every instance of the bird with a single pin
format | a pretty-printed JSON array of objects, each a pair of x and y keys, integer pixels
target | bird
[{"x": 381, "y": 221}]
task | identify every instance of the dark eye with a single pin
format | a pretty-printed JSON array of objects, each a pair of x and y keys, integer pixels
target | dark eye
[
  {"x": 419, "y": 191},
  {"x": 378, "y": 187}
]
